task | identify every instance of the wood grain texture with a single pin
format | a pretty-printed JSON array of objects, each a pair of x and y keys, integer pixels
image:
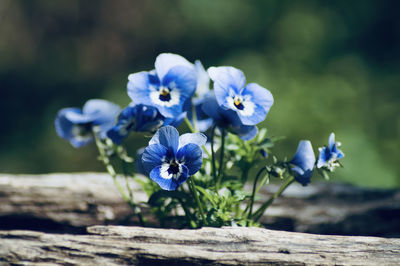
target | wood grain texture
[
  {"x": 71, "y": 202},
  {"x": 122, "y": 245}
]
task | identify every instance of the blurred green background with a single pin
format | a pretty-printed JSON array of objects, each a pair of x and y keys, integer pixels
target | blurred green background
[{"x": 331, "y": 66}]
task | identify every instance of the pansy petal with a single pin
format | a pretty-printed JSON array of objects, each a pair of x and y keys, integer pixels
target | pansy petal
[
  {"x": 304, "y": 156},
  {"x": 227, "y": 77},
  {"x": 73, "y": 114},
  {"x": 331, "y": 141},
  {"x": 148, "y": 118},
  {"x": 77, "y": 134},
  {"x": 101, "y": 111},
  {"x": 203, "y": 120},
  {"x": 78, "y": 142},
  {"x": 258, "y": 101},
  {"x": 62, "y": 124},
  {"x": 171, "y": 183},
  {"x": 103, "y": 128},
  {"x": 138, "y": 162},
  {"x": 183, "y": 79},
  {"x": 176, "y": 121},
  {"x": 305, "y": 160},
  {"x": 167, "y": 136},
  {"x": 253, "y": 117},
  {"x": 203, "y": 80},
  {"x": 301, "y": 176},
  {"x": 191, "y": 156},
  {"x": 259, "y": 95},
  {"x": 184, "y": 176},
  {"x": 139, "y": 87},
  {"x": 339, "y": 154},
  {"x": 228, "y": 82},
  {"x": 247, "y": 132},
  {"x": 196, "y": 138},
  {"x": 323, "y": 156},
  {"x": 180, "y": 82},
  {"x": 166, "y": 61},
  {"x": 153, "y": 156},
  {"x": 204, "y": 124},
  {"x": 117, "y": 134},
  {"x": 211, "y": 108},
  {"x": 169, "y": 111}
]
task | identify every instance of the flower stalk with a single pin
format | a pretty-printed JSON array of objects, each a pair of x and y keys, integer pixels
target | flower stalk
[
  {"x": 193, "y": 190},
  {"x": 111, "y": 171},
  {"x": 258, "y": 214}
]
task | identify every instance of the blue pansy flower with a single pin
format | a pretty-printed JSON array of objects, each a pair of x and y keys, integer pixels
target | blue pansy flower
[
  {"x": 167, "y": 87},
  {"x": 140, "y": 118},
  {"x": 170, "y": 159},
  {"x": 328, "y": 156},
  {"x": 77, "y": 125},
  {"x": 251, "y": 102},
  {"x": 228, "y": 119},
  {"x": 303, "y": 162}
]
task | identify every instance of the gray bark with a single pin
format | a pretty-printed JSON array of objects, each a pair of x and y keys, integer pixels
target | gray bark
[
  {"x": 59, "y": 207},
  {"x": 71, "y": 202},
  {"x": 121, "y": 245}
]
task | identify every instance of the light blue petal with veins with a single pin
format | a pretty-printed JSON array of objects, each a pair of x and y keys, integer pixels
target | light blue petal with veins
[{"x": 167, "y": 136}]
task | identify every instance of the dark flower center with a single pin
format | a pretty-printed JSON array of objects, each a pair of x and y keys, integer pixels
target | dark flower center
[
  {"x": 173, "y": 168},
  {"x": 83, "y": 130},
  {"x": 165, "y": 94},
  {"x": 238, "y": 103}
]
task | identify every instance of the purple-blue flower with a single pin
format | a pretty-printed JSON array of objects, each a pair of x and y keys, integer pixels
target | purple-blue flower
[
  {"x": 303, "y": 162},
  {"x": 170, "y": 159},
  {"x": 228, "y": 119},
  {"x": 328, "y": 156},
  {"x": 167, "y": 88},
  {"x": 140, "y": 118},
  {"x": 251, "y": 102},
  {"x": 77, "y": 125}
]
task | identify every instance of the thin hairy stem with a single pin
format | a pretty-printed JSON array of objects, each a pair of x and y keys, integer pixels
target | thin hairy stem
[
  {"x": 257, "y": 215},
  {"x": 221, "y": 159},
  {"x": 253, "y": 194},
  {"x": 196, "y": 196},
  {"x": 214, "y": 168},
  {"x": 111, "y": 171}
]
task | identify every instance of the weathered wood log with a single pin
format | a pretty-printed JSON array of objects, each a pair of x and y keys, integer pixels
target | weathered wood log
[
  {"x": 119, "y": 245},
  {"x": 70, "y": 202}
]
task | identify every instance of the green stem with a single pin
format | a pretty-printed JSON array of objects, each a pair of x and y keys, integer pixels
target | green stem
[
  {"x": 189, "y": 217},
  {"x": 245, "y": 172},
  {"x": 126, "y": 175},
  {"x": 111, "y": 171},
  {"x": 196, "y": 196},
  {"x": 193, "y": 130},
  {"x": 221, "y": 159},
  {"x": 257, "y": 215},
  {"x": 214, "y": 168},
  {"x": 194, "y": 116},
  {"x": 253, "y": 195}
]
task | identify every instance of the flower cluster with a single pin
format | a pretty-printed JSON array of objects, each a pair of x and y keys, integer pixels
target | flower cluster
[{"x": 228, "y": 113}]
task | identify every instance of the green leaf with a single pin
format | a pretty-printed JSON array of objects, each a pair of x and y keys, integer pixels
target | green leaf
[
  {"x": 158, "y": 198},
  {"x": 208, "y": 195}
]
